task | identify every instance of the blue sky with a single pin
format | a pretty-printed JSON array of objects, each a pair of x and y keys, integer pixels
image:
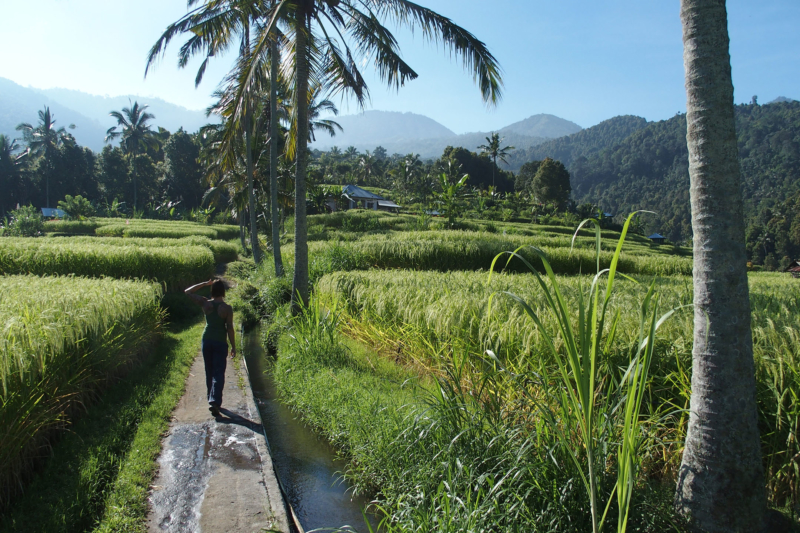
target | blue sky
[{"x": 583, "y": 60}]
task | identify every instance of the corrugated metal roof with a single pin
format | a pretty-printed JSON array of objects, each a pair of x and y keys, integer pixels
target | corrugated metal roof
[
  {"x": 387, "y": 203},
  {"x": 53, "y": 212},
  {"x": 353, "y": 191},
  {"x": 656, "y": 236}
]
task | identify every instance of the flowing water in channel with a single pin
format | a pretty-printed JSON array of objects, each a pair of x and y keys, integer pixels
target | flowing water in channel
[{"x": 305, "y": 462}]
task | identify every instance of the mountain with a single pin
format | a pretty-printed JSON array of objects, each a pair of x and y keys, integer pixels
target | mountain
[
  {"x": 548, "y": 126},
  {"x": 781, "y": 100},
  {"x": 582, "y": 144},
  {"x": 649, "y": 169},
  {"x": 88, "y": 112},
  {"x": 405, "y": 133},
  {"x": 20, "y": 104}
]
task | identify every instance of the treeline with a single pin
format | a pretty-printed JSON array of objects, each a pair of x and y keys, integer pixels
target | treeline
[
  {"x": 408, "y": 176},
  {"x": 46, "y": 164}
]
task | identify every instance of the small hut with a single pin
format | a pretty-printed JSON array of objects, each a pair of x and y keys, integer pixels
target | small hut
[
  {"x": 794, "y": 269},
  {"x": 657, "y": 238}
]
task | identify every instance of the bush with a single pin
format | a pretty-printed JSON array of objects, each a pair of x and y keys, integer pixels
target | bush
[
  {"x": 26, "y": 222},
  {"x": 76, "y": 207}
]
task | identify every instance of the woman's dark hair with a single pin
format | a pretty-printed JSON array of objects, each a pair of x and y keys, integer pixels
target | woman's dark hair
[{"x": 218, "y": 289}]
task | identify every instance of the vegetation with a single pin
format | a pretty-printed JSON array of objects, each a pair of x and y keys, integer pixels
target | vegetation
[
  {"x": 175, "y": 267},
  {"x": 224, "y": 252},
  {"x": 99, "y": 475},
  {"x": 65, "y": 339}
]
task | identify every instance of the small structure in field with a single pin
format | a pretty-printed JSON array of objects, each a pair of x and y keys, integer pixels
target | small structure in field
[
  {"x": 657, "y": 238},
  {"x": 357, "y": 198},
  {"x": 794, "y": 269},
  {"x": 50, "y": 212}
]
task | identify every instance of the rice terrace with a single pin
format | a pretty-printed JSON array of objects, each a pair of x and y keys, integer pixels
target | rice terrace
[{"x": 228, "y": 308}]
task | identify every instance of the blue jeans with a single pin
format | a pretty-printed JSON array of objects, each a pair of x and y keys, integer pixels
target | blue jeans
[{"x": 215, "y": 357}]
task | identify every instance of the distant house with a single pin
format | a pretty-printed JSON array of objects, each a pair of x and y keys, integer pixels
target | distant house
[
  {"x": 357, "y": 198},
  {"x": 657, "y": 238},
  {"x": 50, "y": 212},
  {"x": 794, "y": 269}
]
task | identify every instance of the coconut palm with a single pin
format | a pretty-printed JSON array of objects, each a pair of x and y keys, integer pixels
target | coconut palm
[
  {"x": 721, "y": 480},
  {"x": 492, "y": 149},
  {"x": 11, "y": 164},
  {"x": 328, "y": 37},
  {"x": 44, "y": 140},
  {"x": 213, "y": 27},
  {"x": 135, "y": 133},
  {"x": 350, "y": 153}
]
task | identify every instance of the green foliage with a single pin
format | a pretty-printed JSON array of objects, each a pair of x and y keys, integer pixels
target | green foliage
[
  {"x": 25, "y": 222},
  {"x": 177, "y": 267},
  {"x": 99, "y": 475},
  {"x": 76, "y": 207},
  {"x": 72, "y": 227},
  {"x": 64, "y": 337},
  {"x": 224, "y": 252},
  {"x": 550, "y": 184}
]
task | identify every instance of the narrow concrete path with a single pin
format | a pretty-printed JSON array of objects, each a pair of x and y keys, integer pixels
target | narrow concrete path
[{"x": 216, "y": 475}]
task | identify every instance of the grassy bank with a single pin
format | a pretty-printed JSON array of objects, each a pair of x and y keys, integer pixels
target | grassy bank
[
  {"x": 99, "y": 475},
  {"x": 63, "y": 340}
]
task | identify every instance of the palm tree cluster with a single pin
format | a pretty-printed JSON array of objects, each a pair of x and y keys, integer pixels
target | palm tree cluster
[{"x": 293, "y": 56}]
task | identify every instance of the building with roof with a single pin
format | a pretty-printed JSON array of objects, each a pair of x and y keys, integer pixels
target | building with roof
[
  {"x": 357, "y": 198},
  {"x": 794, "y": 269},
  {"x": 657, "y": 238}
]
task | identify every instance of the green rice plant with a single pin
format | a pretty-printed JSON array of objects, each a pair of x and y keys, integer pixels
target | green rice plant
[
  {"x": 177, "y": 267},
  {"x": 224, "y": 252},
  {"x": 582, "y": 400},
  {"x": 64, "y": 338},
  {"x": 74, "y": 227},
  {"x": 145, "y": 228}
]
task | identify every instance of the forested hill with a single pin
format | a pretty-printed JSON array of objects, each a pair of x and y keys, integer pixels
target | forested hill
[
  {"x": 649, "y": 169},
  {"x": 581, "y": 144}
]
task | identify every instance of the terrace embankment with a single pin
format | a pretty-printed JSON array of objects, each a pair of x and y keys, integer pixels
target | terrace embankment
[{"x": 216, "y": 475}]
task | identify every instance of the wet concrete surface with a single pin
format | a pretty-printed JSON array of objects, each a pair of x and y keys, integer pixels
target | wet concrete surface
[{"x": 216, "y": 475}]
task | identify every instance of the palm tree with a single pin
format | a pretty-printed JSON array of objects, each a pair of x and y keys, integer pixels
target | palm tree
[
  {"x": 135, "y": 133},
  {"x": 321, "y": 50},
  {"x": 721, "y": 479},
  {"x": 350, "y": 153},
  {"x": 10, "y": 171},
  {"x": 492, "y": 149},
  {"x": 44, "y": 140},
  {"x": 213, "y": 27}
]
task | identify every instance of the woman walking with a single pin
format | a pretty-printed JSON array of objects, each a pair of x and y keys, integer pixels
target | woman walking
[{"x": 219, "y": 328}]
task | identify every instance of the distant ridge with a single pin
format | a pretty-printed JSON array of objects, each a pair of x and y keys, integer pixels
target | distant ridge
[
  {"x": 404, "y": 133},
  {"x": 88, "y": 112},
  {"x": 543, "y": 125},
  {"x": 781, "y": 99}
]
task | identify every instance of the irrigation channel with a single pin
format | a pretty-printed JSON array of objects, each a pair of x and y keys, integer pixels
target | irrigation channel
[{"x": 306, "y": 464}]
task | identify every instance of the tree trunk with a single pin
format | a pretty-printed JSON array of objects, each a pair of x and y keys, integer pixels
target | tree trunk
[
  {"x": 721, "y": 480},
  {"x": 240, "y": 218},
  {"x": 273, "y": 154},
  {"x": 248, "y": 120},
  {"x": 134, "y": 181},
  {"x": 300, "y": 280}
]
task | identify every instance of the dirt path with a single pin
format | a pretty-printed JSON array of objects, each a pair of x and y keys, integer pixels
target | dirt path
[{"x": 216, "y": 475}]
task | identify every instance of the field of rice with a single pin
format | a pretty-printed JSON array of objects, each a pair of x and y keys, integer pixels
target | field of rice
[
  {"x": 177, "y": 267},
  {"x": 142, "y": 228},
  {"x": 63, "y": 339},
  {"x": 462, "y": 250},
  {"x": 424, "y": 315},
  {"x": 224, "y": 252}
]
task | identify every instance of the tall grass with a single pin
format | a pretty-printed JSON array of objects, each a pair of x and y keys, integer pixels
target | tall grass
[
  {"x": 224, "y": 252},
  {"x": 63, "y": 338},
  {"x": 457, "y": 250},
  {"x": 426, "y": 315},
  {"x": 144, "y": 228},
  {"x": 177, "y": 267},
  {"x": 76, "y": 227}
]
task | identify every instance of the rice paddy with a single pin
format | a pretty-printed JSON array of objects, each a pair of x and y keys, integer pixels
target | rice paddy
[
  {"x": 142, "y": 228},
  {"x": 63, "y": 339},
  {"x": 177, "y": 267}
]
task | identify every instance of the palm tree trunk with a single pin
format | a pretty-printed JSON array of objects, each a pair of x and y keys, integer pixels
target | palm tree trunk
[
  {"x": 273, "y": 154},
  {"x": 494, "y": 168},
  {"x": 300, "y": 280},
  {"x": 134, "y": 180},
  {"x": 248, "y": 119},
  {"x": 240, "y": 218},
  {"x": 721, "y": 480}
]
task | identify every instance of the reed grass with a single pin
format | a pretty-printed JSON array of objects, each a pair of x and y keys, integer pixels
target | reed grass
[
  {"x": 177, "y": 267},
  {"x": 63, "y": 339}
]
